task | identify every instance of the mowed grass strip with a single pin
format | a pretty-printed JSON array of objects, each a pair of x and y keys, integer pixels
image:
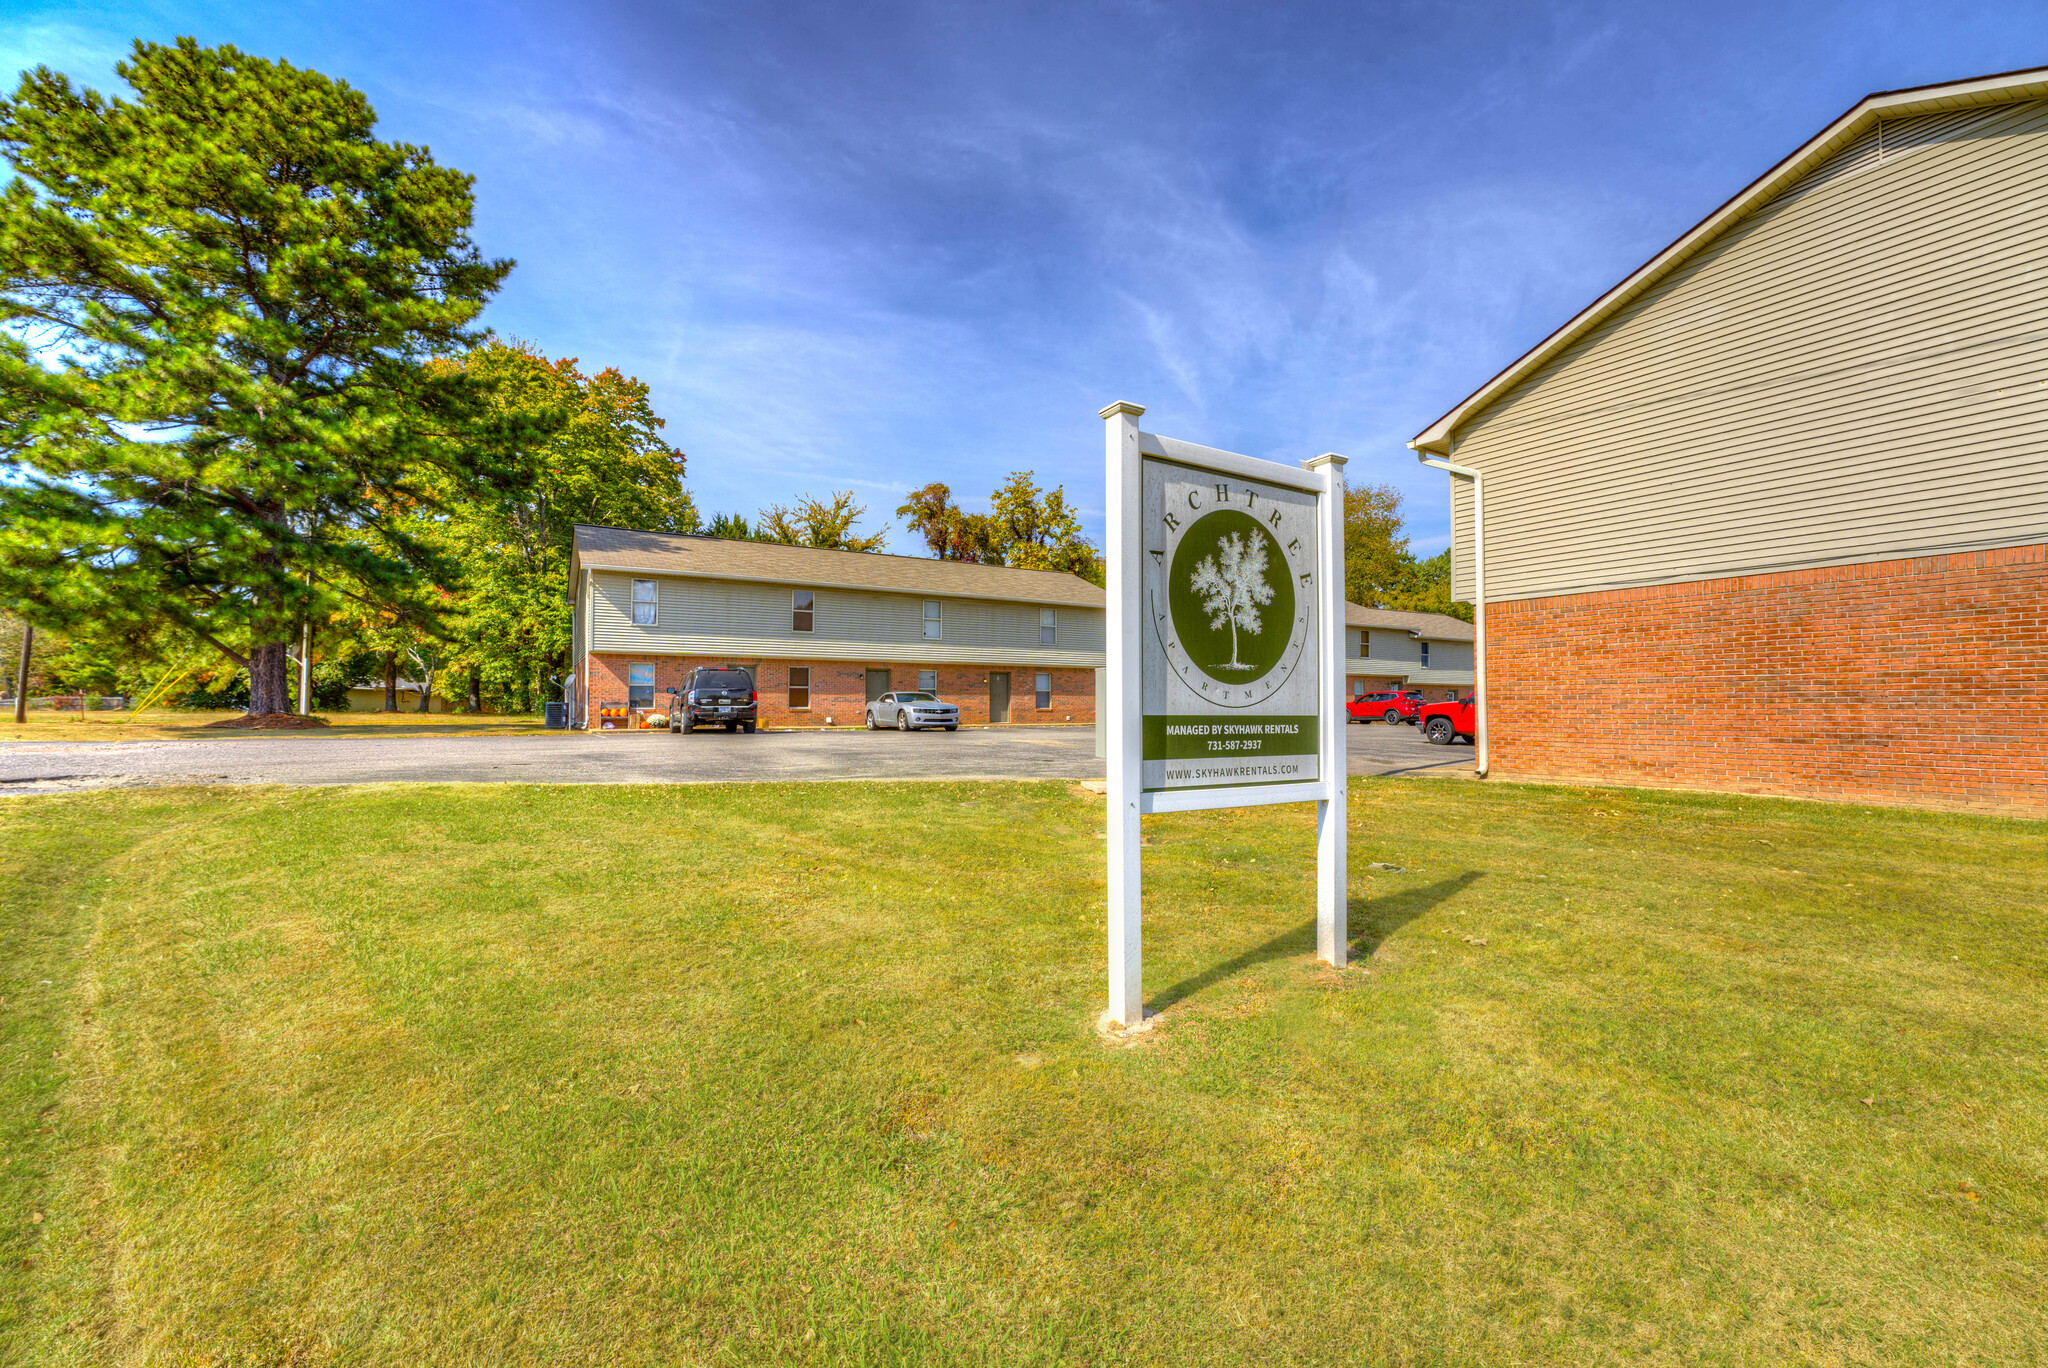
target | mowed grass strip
[{"x": 808, "y": 1074}]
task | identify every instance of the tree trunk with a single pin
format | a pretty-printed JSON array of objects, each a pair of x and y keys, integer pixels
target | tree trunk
[
  {"x": 427, "y": 692},
  {"x": 268, "y": 689},
  {"x": 525, "y": 693},
  {"x": 476, "y": 688},
  {"x": 391, "y": 681}
]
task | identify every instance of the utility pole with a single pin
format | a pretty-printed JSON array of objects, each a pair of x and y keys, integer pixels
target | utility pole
[
  {"x": 28, "y": 644},
  {"x": 306, "y": 654},
  {"x": 306, "y": 668}
]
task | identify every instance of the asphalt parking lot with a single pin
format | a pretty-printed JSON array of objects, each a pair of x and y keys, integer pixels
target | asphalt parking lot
[{"x": 621, "y": 758}]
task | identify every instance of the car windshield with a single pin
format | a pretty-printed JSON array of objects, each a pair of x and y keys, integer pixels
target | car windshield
[
  {"x": 724, "y": 679},
  {"x": 916, "y": 698}
]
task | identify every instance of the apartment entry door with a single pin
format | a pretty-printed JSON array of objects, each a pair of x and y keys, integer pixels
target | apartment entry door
[
  {"x": 878, "y": 684},
  {"x": 998, "y": 695}
]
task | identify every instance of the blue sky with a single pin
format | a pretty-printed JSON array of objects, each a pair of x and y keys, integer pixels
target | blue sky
[{"x": 867, "y": 246}]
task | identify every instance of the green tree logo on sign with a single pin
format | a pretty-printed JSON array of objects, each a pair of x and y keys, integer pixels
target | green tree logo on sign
[
  {"x": 1233, "y": 586},
  {"x": 1228, "y": 585}
]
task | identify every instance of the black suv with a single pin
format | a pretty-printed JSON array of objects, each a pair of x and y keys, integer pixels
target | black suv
[{"x": 714, "y": 695}]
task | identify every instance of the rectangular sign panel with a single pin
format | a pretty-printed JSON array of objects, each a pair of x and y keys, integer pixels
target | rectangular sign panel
[
  {"x": 1229, "y": 652},
  {"x": 1226, "y": 674}
]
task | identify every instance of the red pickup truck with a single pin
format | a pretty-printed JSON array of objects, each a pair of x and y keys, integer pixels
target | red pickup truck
[
  {"x": 1443, "y": 723},
  {"x": 1386, "y": 705}
]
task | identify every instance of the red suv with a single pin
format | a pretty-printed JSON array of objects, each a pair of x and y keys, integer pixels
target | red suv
[
  {"x": 1388, "y": 705},
  {"x": 1443, "y": 723}
]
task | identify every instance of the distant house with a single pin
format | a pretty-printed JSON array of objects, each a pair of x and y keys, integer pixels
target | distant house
[
  {"x": 1428, "y": 652},
  {"x": 823, "y": 632},
  {"x": 370, "y": 698},
  {"x": 1772, "y": 514}
]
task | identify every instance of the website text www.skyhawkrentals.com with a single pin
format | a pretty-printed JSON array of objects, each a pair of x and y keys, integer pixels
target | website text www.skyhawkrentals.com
[{"x": 1278, "y": 769}]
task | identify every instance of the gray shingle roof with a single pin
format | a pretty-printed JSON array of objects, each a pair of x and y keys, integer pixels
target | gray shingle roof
[
  {"x": 1435, "y": 626},
  {"x": 667, "y": 553}
]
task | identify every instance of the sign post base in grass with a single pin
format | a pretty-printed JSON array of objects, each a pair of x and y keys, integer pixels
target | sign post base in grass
[{"x": 1226, "y": 658}]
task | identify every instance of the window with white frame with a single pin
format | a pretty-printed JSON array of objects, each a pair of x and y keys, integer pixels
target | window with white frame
[
  {"x": 1425, "y": 655},
  {"x": 801, "y": 606},
  {"x": 646, "y": 602},
  {"x": 1044, "y": 690},
  {"x": 1045, "y": 627},
  {"x": 799, "y": 687},
  {"x": 932, "y": 623},
  {"x": 928, "y": 681},
  {"x": 639, "y": 686}
]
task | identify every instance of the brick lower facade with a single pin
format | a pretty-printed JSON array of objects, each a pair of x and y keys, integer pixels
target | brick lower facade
[
  {"x": 1920, "y": 681},
  {"x": 838, "y": 690}
]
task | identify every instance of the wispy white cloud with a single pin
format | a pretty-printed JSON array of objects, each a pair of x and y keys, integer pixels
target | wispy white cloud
[{"x": 869, "y": 246}]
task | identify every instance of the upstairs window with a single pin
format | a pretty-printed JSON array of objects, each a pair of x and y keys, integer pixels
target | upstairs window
[
  {"x": 1425, "y": 655},
  {"x": 932, "y": 625},
  {"x": 646, "y": 600},
  {"x": 800, "y": 615},
  {"x": 799, "y": 686},
  {"x": 639, "y": 686},
  {"x": 1044, "y": 690},
  {"x": 928, "y": 681},
  {"x": 1045, "y": 626}
]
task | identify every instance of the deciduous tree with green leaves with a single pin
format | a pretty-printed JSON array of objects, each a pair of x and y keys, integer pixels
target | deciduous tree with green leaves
[
  {"x": 588, "y": 449},
  {"x": 1024, "y": 527},
  {"x": 1375, "y": 551},
  {"x": 813, "y": 522},
  {"x": 220, "y": 301}
]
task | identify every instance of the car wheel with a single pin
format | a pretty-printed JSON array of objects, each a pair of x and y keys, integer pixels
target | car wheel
[
  {"x": 747, "y": 727},
  {"x": 689, "y": 724},
  {"x": 1438, "y": 731},
  {"x": 1390, "y": 716},
  {"x": 871, "y": 722},
  {"x": 903, "y": 720}
]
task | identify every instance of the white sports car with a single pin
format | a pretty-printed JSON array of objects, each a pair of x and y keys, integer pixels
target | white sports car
[{"x": 911, "y": 710}]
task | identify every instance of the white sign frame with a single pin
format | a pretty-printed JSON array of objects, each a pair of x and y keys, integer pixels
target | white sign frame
[{"x": 1122, "y": 703}]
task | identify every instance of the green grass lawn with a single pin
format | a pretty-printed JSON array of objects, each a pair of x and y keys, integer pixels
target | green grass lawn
[{"x": 808, "y": 1074}]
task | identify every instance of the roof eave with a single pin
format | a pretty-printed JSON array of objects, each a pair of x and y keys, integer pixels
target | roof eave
[
  {"x": 2005, "y": 87},
  {"x": 629, "y": 569}
]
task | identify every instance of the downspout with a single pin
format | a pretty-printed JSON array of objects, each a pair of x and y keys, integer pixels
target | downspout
[{"x": 1478, "y": 601}]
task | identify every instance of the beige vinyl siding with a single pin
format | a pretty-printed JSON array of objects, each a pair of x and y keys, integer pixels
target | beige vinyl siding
[
  {"x": 747, "y": 620},
  {"x": 1856, "y": 371},
  {"x": 1461, "y": 540},
  {"x": 1411, "y": 675},
  {"x": 1371, "y": 651},
  {"x": 1399, "y": 646}
]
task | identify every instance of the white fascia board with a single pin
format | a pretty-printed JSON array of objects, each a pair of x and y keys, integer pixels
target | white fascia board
[{"x": 2006, "y": 88}]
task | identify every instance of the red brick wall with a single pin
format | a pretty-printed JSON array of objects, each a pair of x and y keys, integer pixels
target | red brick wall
[
  {"x": 1919, "y": 681},
  {"x": 839, "y": 690}
]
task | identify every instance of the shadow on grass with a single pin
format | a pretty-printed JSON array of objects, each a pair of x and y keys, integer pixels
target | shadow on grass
[{"x": 1371, "y": 921}]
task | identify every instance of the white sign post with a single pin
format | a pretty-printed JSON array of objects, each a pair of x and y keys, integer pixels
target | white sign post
[{"x": 1226, "y": 659}]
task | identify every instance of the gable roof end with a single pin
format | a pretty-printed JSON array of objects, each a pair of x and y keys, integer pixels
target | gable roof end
[{"x": 2005, "y": 88}]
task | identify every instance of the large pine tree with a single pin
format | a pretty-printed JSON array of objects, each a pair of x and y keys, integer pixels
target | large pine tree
[{"x": 219, "y": 305}]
